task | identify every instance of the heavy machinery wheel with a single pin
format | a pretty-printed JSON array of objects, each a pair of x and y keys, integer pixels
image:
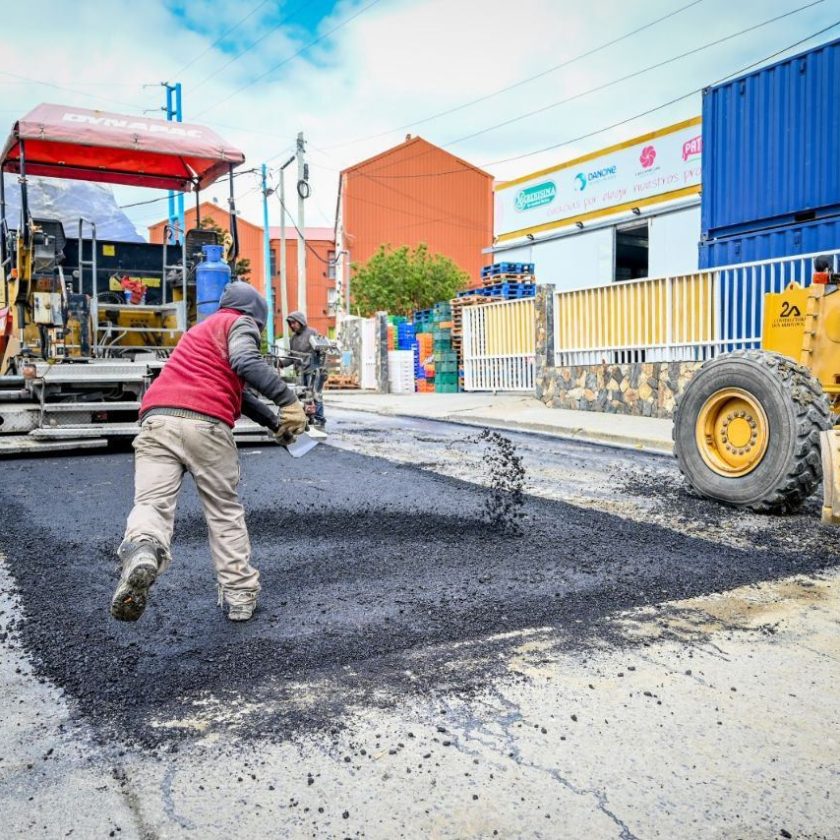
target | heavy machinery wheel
[{"x": 746, "y": 431}]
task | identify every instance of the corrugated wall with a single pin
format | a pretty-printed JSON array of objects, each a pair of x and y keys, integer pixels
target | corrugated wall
[
  {"x": 771, "y": 141},
  {"x": 417, "y": 193}
]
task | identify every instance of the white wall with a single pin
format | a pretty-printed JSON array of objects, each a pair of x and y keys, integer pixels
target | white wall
[
  {"x": 585, "y": 259},
  {"x": 673, "y": 243}
]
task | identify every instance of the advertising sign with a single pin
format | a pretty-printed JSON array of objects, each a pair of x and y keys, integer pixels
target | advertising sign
[{"x": 648, "y": 167}]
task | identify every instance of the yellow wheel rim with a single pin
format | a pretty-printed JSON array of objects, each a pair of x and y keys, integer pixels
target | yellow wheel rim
[{"x": 732, "y": 432}]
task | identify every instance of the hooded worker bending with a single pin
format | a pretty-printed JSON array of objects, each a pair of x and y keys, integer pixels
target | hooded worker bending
[{"x": 187, "y": 418}]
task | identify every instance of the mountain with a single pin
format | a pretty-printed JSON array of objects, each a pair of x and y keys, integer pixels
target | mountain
[{"x": 68, "y": 201}]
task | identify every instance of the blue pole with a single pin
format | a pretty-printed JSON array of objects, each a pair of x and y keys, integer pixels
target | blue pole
[
  {"x": 179, "y": 116},
  {"x": 169, "y": 114},
  {"x": 269, "y": 292}
]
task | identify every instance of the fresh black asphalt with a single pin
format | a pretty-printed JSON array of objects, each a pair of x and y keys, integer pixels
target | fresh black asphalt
[{"x": 370, "y": 572}]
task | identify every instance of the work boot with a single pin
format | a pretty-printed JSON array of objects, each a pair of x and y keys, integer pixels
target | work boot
[
  {"x": 141, "y": 562},
  {"x": 241, "y": 603}
]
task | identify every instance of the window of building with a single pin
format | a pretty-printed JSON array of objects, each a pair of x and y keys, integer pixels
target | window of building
[
  {"x": 331, "y": 265},
  {"x": 332, "y": 300},
  {"x": 272, "y": 259},
  {"x": 631, "y": 251}
]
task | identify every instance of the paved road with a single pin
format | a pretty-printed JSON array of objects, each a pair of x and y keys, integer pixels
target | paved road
[{"x": 635, "y": 663}]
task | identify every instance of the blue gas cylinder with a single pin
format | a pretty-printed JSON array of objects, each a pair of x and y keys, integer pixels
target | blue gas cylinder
[{"x": 211, "y": 277}]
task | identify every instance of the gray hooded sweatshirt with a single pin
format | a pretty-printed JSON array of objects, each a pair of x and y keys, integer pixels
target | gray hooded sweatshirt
[
  {"x": 245, "y": 357},
  {"x": 299, "y": 343}
]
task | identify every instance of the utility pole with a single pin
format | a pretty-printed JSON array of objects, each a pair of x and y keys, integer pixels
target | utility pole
[
  {"x": 269, "y": 290},
  {"x": 176, "y": 202},
  {"x": 303, "y": 193},
  {"x": 284, "y": 285}
]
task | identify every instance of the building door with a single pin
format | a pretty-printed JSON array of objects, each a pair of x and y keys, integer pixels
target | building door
[{"x": 631, "y": 251}]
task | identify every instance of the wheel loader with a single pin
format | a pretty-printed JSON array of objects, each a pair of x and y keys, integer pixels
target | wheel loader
[{"x": 754, "y": 428}]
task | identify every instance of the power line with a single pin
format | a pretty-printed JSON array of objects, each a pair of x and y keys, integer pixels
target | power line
[
  {"x": 289, "y": 58},
  {"x": 521, "y": 82},
  {"x": 306, "y": 244},
  {"x": 70, "y": 90},
  {"x": 670, "y": 102},
  {"x": 637, "y": 73},
  {"x": 166, "y": 197},
  {"x": 221, "y": 37},
  {"x": 247, "y": 49},
  {"x": 612, "y": 125}
]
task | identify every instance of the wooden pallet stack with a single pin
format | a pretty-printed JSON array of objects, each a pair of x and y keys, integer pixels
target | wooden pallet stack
[{"x": 341, "y": 382}]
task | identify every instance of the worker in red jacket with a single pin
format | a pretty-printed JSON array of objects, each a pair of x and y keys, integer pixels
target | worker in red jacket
[{"x": 187, "y": 419}]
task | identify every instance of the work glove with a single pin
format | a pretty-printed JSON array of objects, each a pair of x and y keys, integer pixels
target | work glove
[{"x": 292, "y": 422}]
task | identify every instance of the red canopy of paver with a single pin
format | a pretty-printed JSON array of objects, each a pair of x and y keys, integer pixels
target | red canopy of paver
[{"x": 65, "y": 142}]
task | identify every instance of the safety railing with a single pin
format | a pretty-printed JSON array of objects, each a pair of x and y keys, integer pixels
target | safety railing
[
  {"x": 657, "y": 319},
  {"x": 499, "y": 343},
  {"x": 671, "y": 319},
  {"x": 741, "y": 290}
]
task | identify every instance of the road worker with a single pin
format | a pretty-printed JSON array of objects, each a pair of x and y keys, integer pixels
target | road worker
[
  {"x": 307, "y": 361},
  {"x": 187, "y": 417}
]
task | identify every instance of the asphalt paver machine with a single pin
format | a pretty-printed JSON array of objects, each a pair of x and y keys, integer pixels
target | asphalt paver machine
[{"x": 79, "y": 345}]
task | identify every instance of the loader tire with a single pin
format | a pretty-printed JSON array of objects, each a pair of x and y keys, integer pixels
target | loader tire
[{"x": 747, "y": 431}]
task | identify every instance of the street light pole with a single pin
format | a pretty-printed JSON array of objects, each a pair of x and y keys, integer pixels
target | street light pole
[
  {"x": 269, "y": 291},
  {"x": 303, "y": 194},
  {"x": 284, "y": 286}
]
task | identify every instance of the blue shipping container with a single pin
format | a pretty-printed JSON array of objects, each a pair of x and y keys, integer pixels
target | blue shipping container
[
  {"x": 771, "y": 143},
  {"x": 772, "y": 243},
  {"x": 742, "y": 288}
]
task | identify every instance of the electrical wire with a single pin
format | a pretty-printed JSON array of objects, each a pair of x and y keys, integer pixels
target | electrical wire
[
  {"x": 611, "y": 126},
  {"x": 166, "y": 197},
  {"x": 222, "y": 37},
  {"x": 670, "y": 102},
  {"x": 309, "y": 247},
  {"x": 599, "y": 88},
  {"x": 286, "y": 60},
  {"x": 247, "y": 49},
  {"x": 521, "y": 82}
]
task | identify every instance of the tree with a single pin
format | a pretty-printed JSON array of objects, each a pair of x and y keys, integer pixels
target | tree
[
  {"x": 401, "y": 281},
  {"x": 242, "y": 269}
]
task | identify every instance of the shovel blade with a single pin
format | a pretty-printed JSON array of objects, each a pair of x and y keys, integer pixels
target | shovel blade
[{"x": 305, "y": 443}]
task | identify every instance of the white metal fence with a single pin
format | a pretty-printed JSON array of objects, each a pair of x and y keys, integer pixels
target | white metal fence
[
  {"x": 499, "y": 343},
  {"x": 669, "y": 319}
]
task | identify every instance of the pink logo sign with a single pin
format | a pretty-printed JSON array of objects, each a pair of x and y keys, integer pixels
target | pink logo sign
[
  {"x": 693, "y": 147},
  {"x": 648, "y": 156}
]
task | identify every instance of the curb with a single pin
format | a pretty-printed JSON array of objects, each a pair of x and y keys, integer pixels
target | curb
[{"x": 649, "y": 446}]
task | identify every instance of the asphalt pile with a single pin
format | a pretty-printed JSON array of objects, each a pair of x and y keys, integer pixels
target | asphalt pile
[{"x": 373, "y": 574}]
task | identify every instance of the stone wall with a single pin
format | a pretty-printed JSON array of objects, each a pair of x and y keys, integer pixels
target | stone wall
[
  {"x": 350, "y": 342},
  {"x": 645, "y": 389}
]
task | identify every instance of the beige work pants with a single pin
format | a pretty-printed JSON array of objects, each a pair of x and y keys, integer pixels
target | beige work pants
[{"x": 165, "y": 449}]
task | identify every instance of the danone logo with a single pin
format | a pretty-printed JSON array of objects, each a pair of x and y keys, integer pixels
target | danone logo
[{"x": 535, "y": 196}]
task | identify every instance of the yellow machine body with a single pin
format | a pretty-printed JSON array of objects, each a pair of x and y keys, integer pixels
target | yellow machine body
[{"x": 804, "y": 324}]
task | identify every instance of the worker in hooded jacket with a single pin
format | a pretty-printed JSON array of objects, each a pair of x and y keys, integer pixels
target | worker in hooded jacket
[
  {"x": 187, "y": 417},
  {"x": 307, "y": 361}
]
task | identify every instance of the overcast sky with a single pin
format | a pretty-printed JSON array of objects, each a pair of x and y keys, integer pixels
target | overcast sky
[{"x": 357, "y": 75}]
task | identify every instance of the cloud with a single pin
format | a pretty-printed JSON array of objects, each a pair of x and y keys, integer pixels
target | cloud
[{"x": 397, "y": 62}]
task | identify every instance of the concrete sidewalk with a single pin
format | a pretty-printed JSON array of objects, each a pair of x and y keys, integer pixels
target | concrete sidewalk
[{"x": 515, "y": 412}]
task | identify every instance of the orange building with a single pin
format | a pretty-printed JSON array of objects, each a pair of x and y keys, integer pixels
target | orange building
[
  {"x": 411, "y": 194},
  {"x": 320, "y": 272},
  {"x": 320, "y": 275}
]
